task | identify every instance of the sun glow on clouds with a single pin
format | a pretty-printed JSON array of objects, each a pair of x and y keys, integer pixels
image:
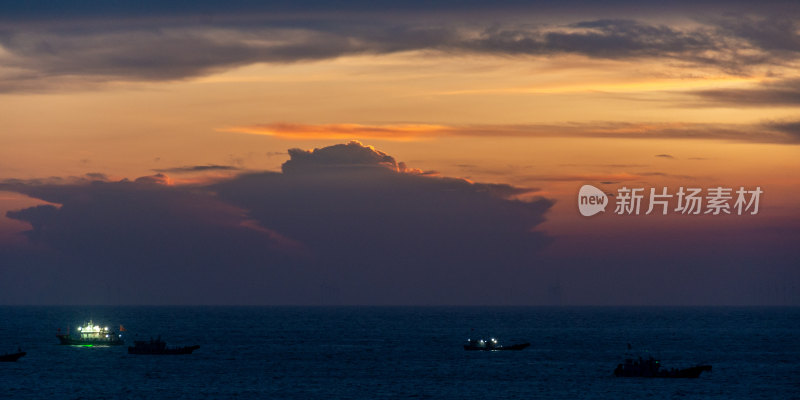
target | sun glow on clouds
[
  {"x": 400, "y": 132},
  {"x": 759, "y": 133},
  {"x": 544, "y": 98},
  {"x": 632, "y": 86}
]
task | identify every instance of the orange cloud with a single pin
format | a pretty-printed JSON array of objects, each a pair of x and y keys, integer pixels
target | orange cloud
[
  {"x": 757, "y": 133},
  {"x": 624, "y": 176},
  {"x": 399, "y": 132}
]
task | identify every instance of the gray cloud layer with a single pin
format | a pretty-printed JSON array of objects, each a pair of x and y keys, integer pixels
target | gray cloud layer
[
  {"x": 780, "y": 132},
  {"x": 772, "y": 94},
  {"x": 179, "y": 45},
  {"x": 197, "y": 168},
  {"x": 789, "y": 128}
]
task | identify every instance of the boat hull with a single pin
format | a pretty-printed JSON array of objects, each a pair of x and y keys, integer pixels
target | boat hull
[
  {"x": 112, "y": 340},
  {"x": 691, "y": 372},
  {"x": 12, "y": 357},
  {"x": 519, "y": 346}
]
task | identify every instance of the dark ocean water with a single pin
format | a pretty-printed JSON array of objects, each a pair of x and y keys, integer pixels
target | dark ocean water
[{"x": 403, "y": 353}]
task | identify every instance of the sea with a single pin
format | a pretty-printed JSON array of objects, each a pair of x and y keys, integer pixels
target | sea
[{"x": 403, "y": 353}]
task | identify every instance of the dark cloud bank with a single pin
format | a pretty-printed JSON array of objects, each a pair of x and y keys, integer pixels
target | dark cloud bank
[
  {"x": 348, "y": 224},
  {"x": 345, "y": 224},
  {"x": 47, "y": 46}
]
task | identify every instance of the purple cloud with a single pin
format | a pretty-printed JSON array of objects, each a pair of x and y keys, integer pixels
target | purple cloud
[{"x": 344, "y": 218}]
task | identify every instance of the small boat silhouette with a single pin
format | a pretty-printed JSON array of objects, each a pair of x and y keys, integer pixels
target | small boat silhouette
[
  {"x": 12, "y": 356},
  {"x": 158, "y": 347},
  {"x": 651, "y": 368}
]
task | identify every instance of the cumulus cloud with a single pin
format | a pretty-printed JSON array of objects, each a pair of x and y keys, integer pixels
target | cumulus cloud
[
  {"x": 335, "y": 157},
  {"x": 136, "y": 241},
  {"x": 343, "y": 226},
  {"x": 346, "y": 217},
  {"x": 390, "y": 233}
]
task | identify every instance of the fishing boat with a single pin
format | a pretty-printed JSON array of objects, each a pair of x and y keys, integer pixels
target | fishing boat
[
  {"x": 158, "y": 347},
  {"x": 491, "y": 345},
  {"x": 651, "y": 368},
  {"x": 92, "y": 335}
]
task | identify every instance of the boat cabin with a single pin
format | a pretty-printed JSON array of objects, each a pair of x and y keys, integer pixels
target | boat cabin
[{"x": 91, "y": 331}]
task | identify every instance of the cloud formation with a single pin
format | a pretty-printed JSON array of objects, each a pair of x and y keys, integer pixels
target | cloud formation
[
  {"x": 336, "y": 157},
  {"x": 767, "y": 132},
  {"x": 781, "y": 93},
  {"x": 790, "y": 128},
  {"x": 340, "y": 224},
  {"x": 161, "y": 43},
  {"x": 344, "y": 131},
  {"x": 197, "y": 168},
  {"x": 606, "y": 38},
  {"x": 345, "y": 224}
]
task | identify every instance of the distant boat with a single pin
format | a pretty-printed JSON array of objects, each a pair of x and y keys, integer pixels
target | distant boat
[
  {"x": 651, "y": 368},
  {"x": 13, "y": 356},
  {"x": 158, "y": 347},
  {"x": 92, "y": 335},
  {"x": 491, "y": 345}
]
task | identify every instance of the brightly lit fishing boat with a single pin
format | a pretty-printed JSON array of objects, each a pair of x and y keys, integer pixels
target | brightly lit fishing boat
[
  {"x": 92, "y": 335},
  {"x": 492, "y": 345}
]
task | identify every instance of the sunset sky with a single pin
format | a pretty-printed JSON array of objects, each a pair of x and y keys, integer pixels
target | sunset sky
[{"x": 388, "y": 152}]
